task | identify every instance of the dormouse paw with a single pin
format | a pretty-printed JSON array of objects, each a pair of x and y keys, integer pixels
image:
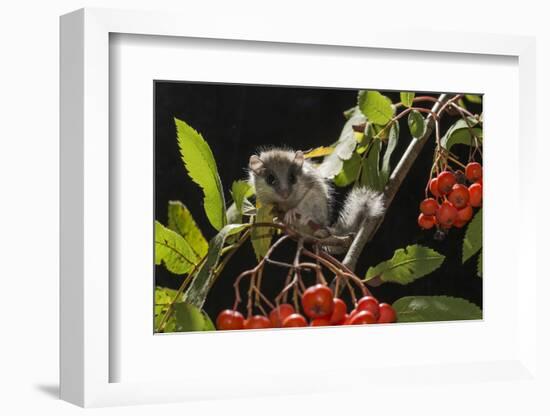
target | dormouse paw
[
  {"x": 321, "y": 233},
  {"x": 291, "y": 216}
]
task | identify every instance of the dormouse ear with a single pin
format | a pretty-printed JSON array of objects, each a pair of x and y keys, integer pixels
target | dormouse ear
[
  {"x": 299, "y": 158},
  {"x": 256, "y": 165}
]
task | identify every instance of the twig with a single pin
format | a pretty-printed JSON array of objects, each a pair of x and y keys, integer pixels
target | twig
[
  {"x": 369, "y": 228},
  {"x": 182, "y": 287}
]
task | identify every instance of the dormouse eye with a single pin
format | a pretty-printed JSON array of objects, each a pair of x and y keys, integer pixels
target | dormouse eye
[
  {"x": 270, "y": 179},
  {"x": 292, "y": 178}
]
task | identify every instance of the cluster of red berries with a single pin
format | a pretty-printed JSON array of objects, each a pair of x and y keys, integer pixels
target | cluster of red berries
[
  {"x": 319, "y": 305},
  {"x": 454, "y": 200}
]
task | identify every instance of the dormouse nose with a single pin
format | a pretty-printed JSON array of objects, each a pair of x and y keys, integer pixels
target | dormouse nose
[{"x": 285, "y": 193}]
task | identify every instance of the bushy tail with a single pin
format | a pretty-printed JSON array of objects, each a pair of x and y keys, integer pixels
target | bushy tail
[{"x": 361, "y": 204}]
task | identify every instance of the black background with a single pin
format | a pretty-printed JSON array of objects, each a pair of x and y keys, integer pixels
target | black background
[{"x": 236, "y": 120}]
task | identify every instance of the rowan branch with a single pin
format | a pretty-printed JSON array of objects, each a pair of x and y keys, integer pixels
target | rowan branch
[{"x": 369, "y": 228}]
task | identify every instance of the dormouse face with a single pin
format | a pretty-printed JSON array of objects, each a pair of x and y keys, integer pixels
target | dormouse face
[{"x": 277, "y": 173}]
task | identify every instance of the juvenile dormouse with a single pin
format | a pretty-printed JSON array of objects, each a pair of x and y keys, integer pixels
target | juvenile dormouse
[{"x": 285, "y": 179}]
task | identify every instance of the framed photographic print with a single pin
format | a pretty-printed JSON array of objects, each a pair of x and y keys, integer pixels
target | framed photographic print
[
  {"x": 317, "y": 165},
  {"x": 239, "y": 208}
]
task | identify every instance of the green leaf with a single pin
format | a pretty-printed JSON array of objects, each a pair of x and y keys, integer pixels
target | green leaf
[
  {"x": 407, "y": 265},
  {"x": 370, "y": 171},
  {"x": 473, "y": 98},
  {"x": 190, "y": 318},
  {"x": 349, "y": 172},
  {"x": 407, "y": 98},
  {"x": 473, "y": 237},
  {"x": 435, "y": 308},
  {"x": 350, "y": 112},
  {"x": 480, "y": 265},
  {"x": 173, "y": 250},
  {"x": 460, "y": 133},
  {"x": 417, "y": 124},
  {"x": 200, "y": 285},
  {"x": 261, "y": 236},
  {"x": 393, "y": 138},
  {"x": 375, "y": 106},
  {"x": 345, "y": 146},
  {"x": 239, "y": 190},
  {"x": 201, "y": 167},
  {"x": 164, "y": 295},
  {"x": 181, "y": 221},
  {"x": 185, "y": 317},
  {"x": 163, "y": 298}
]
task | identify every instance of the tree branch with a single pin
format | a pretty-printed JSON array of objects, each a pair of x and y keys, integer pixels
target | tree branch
[{"x": 369, "y": 228}]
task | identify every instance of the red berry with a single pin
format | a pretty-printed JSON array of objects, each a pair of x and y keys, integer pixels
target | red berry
[
  {"x": 476, "y": 194},
  {"x": 338, "y": 312},
  {"x": 429, "y": 206},
  {"x": 294, "y": 320},
  {"x": 320, "y": 322},
  {"x": 317, "y": 301},
  {"x": 346, "y": 319},
  {"x": 446, "y": 214},
  {"x": 387, "y": 314},
  {"x": 445, "y": 182},
  {"x": 278, "y": 314},
  {"x": 257, "y": 322},
  {"x": 369, "y": 303},
  {"x": 465, "y": 214},
  {"x": 474, "y": 171},
  {"x": 363, "y": 317},
  {"x": 434, "y": 188},
  {"x": 229, "y": 319},
  {"x": 426, "y": 221},
  {"x": 459, "y": 196},
  {"x": 457, "y": 223}
]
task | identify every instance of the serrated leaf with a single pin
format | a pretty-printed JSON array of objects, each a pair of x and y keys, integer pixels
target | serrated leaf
[
  {"x": 375, "y": 106},
  {"x": 164, "y": 295},
  {"x": 349, "y": 172},
  {"x": 435, "y": 308},
  {"x": 370, "y": 171},
  {"x": 344, "y": 148},
  {"x": 407, "y": 265},
  {"x": 473, "y": 98},
  {"x": 234, "y": 216},
  {"x": 319, "y": 152},
  {"x": 181, "y": 221},
  {"x": 163, "y": 299},
  {"x": 346, "y": 142},
  {"x": 473, "y": 237},
  {"x": 417, "y": 124},
  {"x": 460, "y": 133},
  {"x": 190, "y": 318},
  {"x": 480, "y": 265},
  {"x": 406, "y": 98},
  {"x": 173, "y": 250},
  {"x": 200, "y": 285},
  {"x": 239, "y": 190},
  {"x": 393, "y": 138},
  {"x": 201, "y": 167},
  {"x": 261, "y": 236},
  {"x": 349, "y": 112}
]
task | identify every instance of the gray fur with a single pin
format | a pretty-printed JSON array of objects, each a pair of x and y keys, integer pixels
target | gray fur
[
  {"x": 361, "y": 204},
  {"x": 309, "y": 196}
]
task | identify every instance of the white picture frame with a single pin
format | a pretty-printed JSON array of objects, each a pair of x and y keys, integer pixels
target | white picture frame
[{"x": 86, "y": 354}]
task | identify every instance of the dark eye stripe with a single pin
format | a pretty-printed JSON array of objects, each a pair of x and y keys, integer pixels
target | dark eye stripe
[{"x": 270, "y": 179}]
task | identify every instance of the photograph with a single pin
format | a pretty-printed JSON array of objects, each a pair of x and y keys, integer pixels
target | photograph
[{"x": 282, "y": 206}]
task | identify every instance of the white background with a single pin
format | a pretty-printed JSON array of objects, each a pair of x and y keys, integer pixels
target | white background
[{"x": 29, "y": 210}]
